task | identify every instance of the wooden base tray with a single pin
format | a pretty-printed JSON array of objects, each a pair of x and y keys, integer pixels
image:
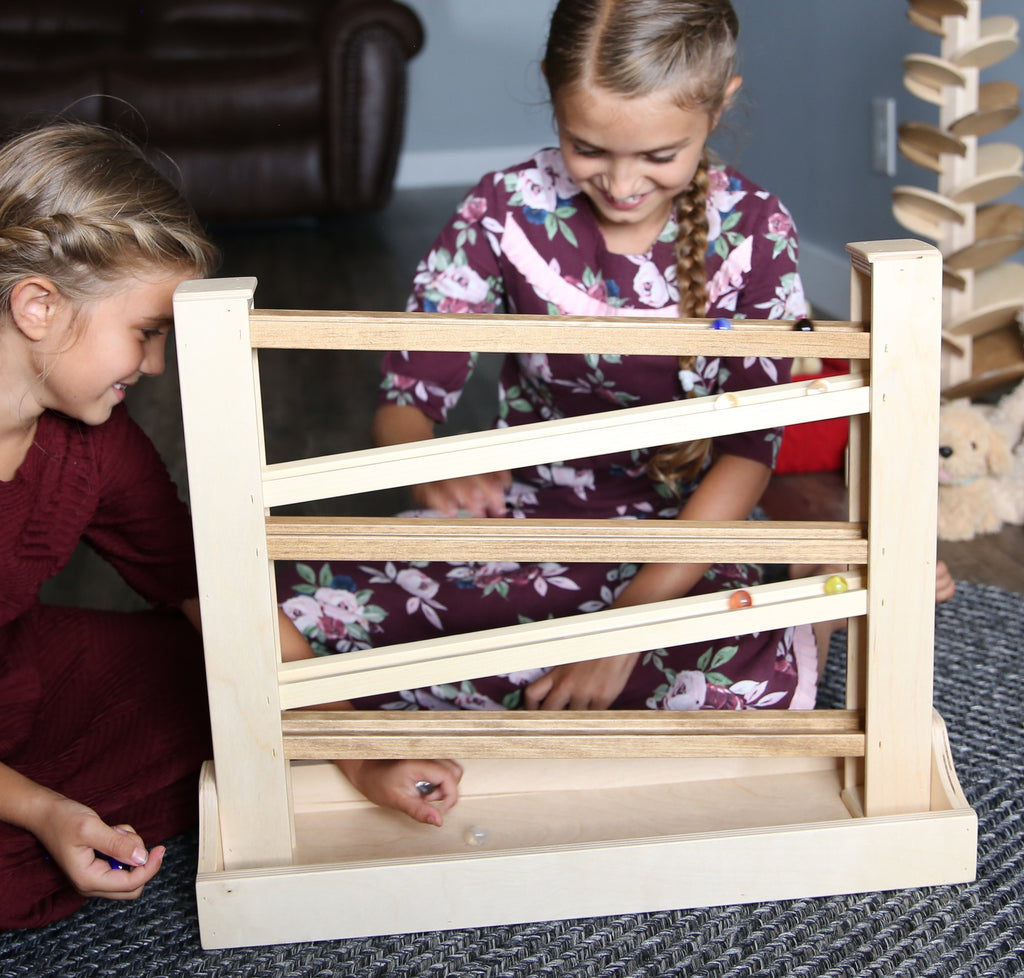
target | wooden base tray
[{"x": 577, "y": 837}]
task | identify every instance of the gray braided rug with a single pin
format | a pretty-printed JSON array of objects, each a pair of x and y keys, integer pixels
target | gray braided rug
[{"x": 970, "y": 930}]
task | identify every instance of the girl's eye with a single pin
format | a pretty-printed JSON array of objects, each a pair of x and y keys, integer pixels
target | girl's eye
[
  {"x": 662, "y": 159},
  {"x": 151, "y": 333},
  {"x": 585, "y": 151}
]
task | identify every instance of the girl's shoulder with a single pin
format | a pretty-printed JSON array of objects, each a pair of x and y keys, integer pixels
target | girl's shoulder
[
  {"x": 539, "y": 182},
  {"x": 116, "y": 443},
  {"x": 730, "y": 190}
]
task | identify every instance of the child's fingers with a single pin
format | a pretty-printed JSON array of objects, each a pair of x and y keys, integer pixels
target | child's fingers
[
  {"x": 435, "y": 790},
  {"x": 945, "y": 586},
  {"x": 476, "y": 495},
  {"x": 494, "y": 491},
  {"x": 127, "y": 884},
  {"x": 536, "y": 692},
  {"x": 446, "y": 792},
  {"x": 416, "y": 806},
  {"x": 124, "y": 845},
  {"x": 454, "y": 767}
]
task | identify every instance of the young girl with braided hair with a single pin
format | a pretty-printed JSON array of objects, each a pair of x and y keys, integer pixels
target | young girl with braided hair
[
  {"x": 630, "y": 216},
  {"x": 103, "y": 718}
]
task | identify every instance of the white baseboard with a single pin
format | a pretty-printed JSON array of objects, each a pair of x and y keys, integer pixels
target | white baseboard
[{"x": 455, "y": 167}]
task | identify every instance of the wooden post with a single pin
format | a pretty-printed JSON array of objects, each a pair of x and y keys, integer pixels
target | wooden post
[
  {"x": 906, "y": 324},
  {"x": 224, "y": 442}
]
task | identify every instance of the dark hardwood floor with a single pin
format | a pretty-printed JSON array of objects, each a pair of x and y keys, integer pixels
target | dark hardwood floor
[{"x": 321, "y": 403}]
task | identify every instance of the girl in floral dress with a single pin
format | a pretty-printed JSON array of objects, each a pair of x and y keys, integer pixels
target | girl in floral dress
[{"x": 628, "y": 215}]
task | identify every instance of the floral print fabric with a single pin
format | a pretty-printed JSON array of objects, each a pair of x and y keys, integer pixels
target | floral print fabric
[{"x": 525, "y": 241}]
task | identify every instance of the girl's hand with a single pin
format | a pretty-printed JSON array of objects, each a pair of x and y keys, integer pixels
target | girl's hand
[
  {"x": 478, "y": 495},
  {"x": 74, "y": 835},
  {"x": 591, "y": 685},
  {"x": 393, "y": 784},
  {"x": 945, "y": 586}
]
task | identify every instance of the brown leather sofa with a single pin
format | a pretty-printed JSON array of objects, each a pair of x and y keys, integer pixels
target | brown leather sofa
[{"x": 263, "y": 108}]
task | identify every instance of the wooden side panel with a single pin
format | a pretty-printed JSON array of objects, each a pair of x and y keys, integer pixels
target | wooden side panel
[
  {"x": 906, "y": 325},
  {"x": 220, "y": 394}
]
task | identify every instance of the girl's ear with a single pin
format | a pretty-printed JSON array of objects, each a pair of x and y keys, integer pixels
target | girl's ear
[
  {"x": 735, "y": 83},
  {"x": 35, "y": 304}
]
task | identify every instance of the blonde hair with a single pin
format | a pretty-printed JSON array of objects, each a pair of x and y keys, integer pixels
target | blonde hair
[
  {"x": 82, "y": 206},
  {"x": 635, "y": 48}
]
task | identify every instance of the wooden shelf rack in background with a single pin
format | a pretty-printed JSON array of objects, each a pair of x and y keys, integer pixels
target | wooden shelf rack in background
[{"x": 978, "y": 235}]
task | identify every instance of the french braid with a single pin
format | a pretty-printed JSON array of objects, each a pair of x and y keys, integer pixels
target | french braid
[{"x": 82, "y": 206}]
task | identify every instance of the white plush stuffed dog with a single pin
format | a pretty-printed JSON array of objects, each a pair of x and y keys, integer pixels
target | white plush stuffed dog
[
  {"x": 981, "y": 466},
  {"x": 972, "y": 454},
  {"x": 1008, "y": 418}
]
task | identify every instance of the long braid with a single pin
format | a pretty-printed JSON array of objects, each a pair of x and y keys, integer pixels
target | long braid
[
  {"x": 672, "y": 465},
  {"x": 635, "y": 48}
]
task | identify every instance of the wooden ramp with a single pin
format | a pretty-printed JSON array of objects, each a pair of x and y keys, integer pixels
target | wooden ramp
[{"x": 570, "y": 814}]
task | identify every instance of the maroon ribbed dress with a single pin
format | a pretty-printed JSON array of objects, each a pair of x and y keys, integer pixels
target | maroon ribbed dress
[{"x": 108, "y": 708}]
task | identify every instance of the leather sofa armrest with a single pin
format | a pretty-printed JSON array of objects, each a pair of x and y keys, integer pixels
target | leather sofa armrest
[{"x": 367, "y": 46}]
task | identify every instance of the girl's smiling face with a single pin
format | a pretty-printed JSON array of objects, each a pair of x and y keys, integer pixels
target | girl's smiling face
[
  {"x": 631, "y": 157},
  {"x": 86, "y": 362}
]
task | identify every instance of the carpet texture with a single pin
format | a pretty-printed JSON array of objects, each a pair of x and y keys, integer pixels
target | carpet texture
[{"x": 971, "y": 930}]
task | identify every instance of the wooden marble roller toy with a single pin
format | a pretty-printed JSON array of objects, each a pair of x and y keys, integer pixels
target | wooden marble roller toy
[{"x": 567, "y": 815}]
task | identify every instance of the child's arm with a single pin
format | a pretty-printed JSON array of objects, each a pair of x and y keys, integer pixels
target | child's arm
[
  {"x": 190, "y": 609},
  {"x": 479, "y": 495},
  {"x": 390, "y": 784},
  {"x": 73, "y": 835},
  {"x": 393, "y": 784},
  {"x": 728, "y": 491}
]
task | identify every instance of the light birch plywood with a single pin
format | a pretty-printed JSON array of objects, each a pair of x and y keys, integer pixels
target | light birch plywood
[
  {"x": 819, "y": 802},
  {"x": 640, "y": 735},
  {"x": 658, "y": 541},
  {"x": 599, "y": 844},
  {"x": 906, "y": 328},
  {"x": 239, "y": 626}
]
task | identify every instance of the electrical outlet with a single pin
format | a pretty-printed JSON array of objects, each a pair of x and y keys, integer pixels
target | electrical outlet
[{"x": 883, "y": 135}]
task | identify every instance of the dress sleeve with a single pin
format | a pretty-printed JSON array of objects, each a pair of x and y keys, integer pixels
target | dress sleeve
[
  {"x": 461, "y": 273},
  {"x": 141, "y": 526},
  {"x": 771, "y": 289}
]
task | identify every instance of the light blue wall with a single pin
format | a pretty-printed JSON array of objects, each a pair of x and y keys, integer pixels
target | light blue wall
[
  {"x": 812, "y": 68},
  {"x": 803, "y": 128}
]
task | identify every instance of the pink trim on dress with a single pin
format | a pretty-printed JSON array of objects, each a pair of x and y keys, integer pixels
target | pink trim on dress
[
  {"x": 550, "y": 285},
  {"x": 805, "y": 649}
]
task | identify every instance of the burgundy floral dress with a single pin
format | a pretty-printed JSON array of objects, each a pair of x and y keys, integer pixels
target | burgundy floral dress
[{"x": 525, "y": 241}]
